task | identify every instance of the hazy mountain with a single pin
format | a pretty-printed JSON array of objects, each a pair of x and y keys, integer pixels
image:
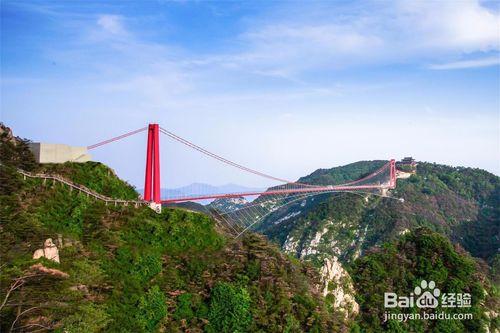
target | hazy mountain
[
  {"x": 228, "y": 204},
  {"x": 197, "y": 188},
  {"x": 203, "y": 188}
]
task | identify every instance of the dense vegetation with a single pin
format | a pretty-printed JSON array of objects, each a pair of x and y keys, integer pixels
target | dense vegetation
[
  {"x": 467, "y": 200},
  {"x": 131, "y": 270},
  {"x": 401, "y": 265},
  {"x": 95, "y": 176},
  {"x": 342, "y": 174},
  {"x": 460, "y": 203}
]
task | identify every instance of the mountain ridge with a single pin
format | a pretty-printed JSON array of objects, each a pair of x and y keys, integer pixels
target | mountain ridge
[{"x": 446, "y": 199}]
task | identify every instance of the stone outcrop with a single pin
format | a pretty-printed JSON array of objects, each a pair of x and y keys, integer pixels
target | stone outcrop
[
  {"x": 49, "y": 251},
  {"x": 41, "y": 269},
  {"x": 337, "y": 283},
  {"x": 80, "y": 287},
  {"x": 6, "y": 134},
  {"x": 403, "y": 174},
  {"x": 290, "y": 245},
  {"x": 313, "y": 244}
]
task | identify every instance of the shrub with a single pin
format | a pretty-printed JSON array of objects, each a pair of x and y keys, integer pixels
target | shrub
[
  {"x": 87, "y": 319},
  {"x": 229, "y": 309},
  {"x": 152, "y": 309}
]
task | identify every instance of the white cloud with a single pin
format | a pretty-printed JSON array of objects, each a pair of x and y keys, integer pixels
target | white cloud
[
  {"x": 282, "y": 47},
  {"x": 462, "y": 26},
  {"x": 383, "y": 33},
  {"x": 299, "y": 46},
  {"x": 111, "y": 24},
  {"x": 474, "y": 63}
]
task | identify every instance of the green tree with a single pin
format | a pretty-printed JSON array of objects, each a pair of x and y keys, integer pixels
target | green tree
[
  {"x": 229, "y": 310},
  {"x": 88, "y": 318}
]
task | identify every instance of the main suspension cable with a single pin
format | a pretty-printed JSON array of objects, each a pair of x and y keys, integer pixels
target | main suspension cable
[
  {"x": 116, "y": 138},
  {"x": 224, "y": 160}
]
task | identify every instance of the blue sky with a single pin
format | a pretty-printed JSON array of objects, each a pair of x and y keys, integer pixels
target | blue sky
[{"x": 283, "y": 87}]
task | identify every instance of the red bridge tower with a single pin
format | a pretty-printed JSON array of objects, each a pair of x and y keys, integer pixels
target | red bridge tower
[{"x": 152, "y": 177}]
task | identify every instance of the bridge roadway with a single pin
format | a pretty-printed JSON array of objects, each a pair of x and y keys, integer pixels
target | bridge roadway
[{"x": 325, "y": 189}]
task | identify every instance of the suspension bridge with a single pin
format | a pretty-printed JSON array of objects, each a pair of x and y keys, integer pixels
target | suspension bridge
[
  {"x": 243, "y": 216},
  {"x": 269, "y": 200},
  {"x": 381, "y": 179}
]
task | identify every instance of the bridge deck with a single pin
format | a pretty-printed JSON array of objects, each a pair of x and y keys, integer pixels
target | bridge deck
[{"x": 325, "y": 189}]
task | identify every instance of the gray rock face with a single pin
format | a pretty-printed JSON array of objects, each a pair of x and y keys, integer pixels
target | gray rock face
[
  {"x": 337, "y": 283},
  {"x": 7, "y": 132}
]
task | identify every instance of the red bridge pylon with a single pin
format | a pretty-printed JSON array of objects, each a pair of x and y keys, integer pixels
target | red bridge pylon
[{"x": 152, "y": 176}]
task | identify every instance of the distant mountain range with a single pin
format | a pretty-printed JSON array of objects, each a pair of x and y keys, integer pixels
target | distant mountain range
[
  {"x": 203, "y": 188},
  {"x": 197, "y": 188}
]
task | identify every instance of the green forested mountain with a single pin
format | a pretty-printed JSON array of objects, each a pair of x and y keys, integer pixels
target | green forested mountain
[
  {"x": 460, "y": 203},
  {"x": 401, "y": 265},
  {"x": 342, "y": 174},
  {"x": 126, "y": 269},
  {"x": 381, "y": 243}
]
